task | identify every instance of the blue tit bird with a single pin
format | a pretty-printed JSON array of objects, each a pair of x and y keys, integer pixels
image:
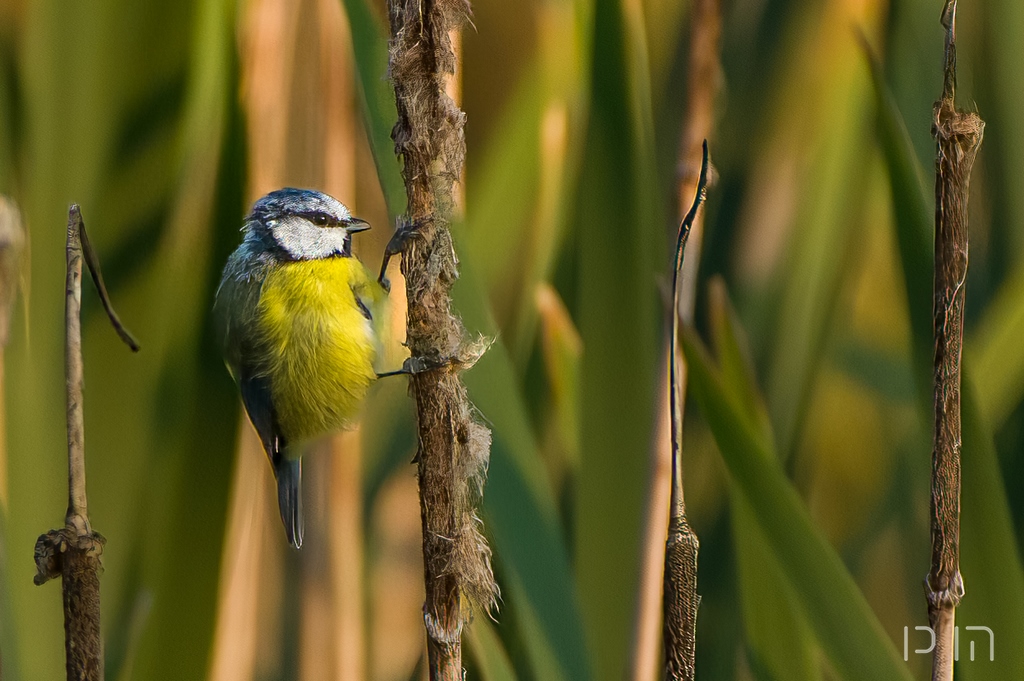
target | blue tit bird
[{"x": 299, "y": 317}]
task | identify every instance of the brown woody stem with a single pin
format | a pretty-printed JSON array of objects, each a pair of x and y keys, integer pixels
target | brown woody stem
[
  {"x": 958, "y": 137},
  {"x": 453, "y": 446}
]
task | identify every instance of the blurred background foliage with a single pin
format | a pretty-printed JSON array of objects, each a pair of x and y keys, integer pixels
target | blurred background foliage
[{"x": 807, "y": 436}]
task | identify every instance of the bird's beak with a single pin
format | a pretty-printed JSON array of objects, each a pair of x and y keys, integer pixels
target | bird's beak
[{"x": 356, "y": 225}]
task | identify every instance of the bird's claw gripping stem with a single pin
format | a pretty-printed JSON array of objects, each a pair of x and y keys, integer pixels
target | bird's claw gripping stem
[
  {"x": 404, "y": 233},
  {"x": 419, "y": 365}
]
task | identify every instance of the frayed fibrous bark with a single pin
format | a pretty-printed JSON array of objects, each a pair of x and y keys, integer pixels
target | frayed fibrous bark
[
  {"x": 453, "y": 445},
  {"x": 75, "y": 558},
  {"x": 958, "y": 137}
]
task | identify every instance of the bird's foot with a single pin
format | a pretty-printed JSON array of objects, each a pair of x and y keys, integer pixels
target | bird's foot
[
  {"x": 405, "y": 231},
  {"x": 419, "y": 365}
]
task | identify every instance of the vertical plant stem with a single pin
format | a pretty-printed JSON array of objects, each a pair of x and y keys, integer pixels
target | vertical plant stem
[
  {"x": 958, "y": 136},
  {"x": 244, "y": 565},
  {"x": 453, "y": 446},
  {"x": 702, "y": 84},
  {"x": 78, "y": 512},
  {"x": 347, "y": 541},
  {"x": 12, "y": 241},
  {"x": 680, "y": 591},
  {"x": 73, "y": 552}
]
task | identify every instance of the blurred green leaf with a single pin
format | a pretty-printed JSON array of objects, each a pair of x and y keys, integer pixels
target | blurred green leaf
[
  {"x": 621, "y": 236},
  {"x": 994, "y": 349},
  {"x": 778, "y": 639},
  {"x": 734, "y": 358},
  {"x": 840, "y": 618},
  {"x": 501, "y": 226},
  {"x": 517, "y": 209},
  {"x": 120, "y": 661},
  {"x": 488, "y": 653},
  {"x": 913, "y": 215},
  {"x": 194, "y": 451},
  {"x": 9, "y": 664},
  {"x": 821, "y": 240},
  {"x": 519, "y": 508},
  {"x": 370, "y": 45},
  {"x": 989, "y": 555},
  {"x": 389, "y": 438},
  {"x": 562, "y": 349},
  {"x": 1001, "y": 87},
  {"x": 7, "y": 108},
  {"x": 88, "y": 74}
]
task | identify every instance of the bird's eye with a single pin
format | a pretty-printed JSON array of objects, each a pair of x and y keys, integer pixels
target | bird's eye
[{"x": 321, "y": 220}]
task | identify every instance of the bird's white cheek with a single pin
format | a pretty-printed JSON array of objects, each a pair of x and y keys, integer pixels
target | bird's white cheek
[
  {"x": 332, "y": 241},
  {"x": 305, "y": 241}
]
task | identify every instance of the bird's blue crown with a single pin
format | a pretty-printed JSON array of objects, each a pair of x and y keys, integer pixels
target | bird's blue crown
[{"x": 308, "y": 203}]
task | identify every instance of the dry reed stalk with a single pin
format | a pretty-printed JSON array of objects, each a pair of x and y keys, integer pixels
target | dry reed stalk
[
  {"x": 12, "y": 242},
  {"x": 453, "y": 445},
  {"x": 347, "y": 628},
  {"x": 680, "y": 598},
  {"x": 958, "y": 137},
  {"x": 73, "y": 552},
  {"x": 703, "y": 82},
  {"x": 242, "y": 566},
  {"x": 345, "y": 520}
]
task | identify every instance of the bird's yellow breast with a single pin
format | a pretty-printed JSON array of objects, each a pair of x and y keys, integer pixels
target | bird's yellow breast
[{"x": 317, "y": 347}]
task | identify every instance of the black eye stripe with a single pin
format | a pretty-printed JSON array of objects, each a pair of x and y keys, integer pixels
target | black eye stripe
[{"x": 319, "y": 219}]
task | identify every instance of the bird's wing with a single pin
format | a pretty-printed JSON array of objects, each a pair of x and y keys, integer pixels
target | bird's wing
[
  {"x": 235, "y": 309},
  {"x": 372, "y": 301},
  {"x": 365, "y": 299},
  {"x": 370, "y": 295},
  {"x": 260, "y": 407}
]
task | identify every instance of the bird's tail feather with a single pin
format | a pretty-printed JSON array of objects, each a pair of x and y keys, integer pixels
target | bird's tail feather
[{"x": 289, "y": 497}]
